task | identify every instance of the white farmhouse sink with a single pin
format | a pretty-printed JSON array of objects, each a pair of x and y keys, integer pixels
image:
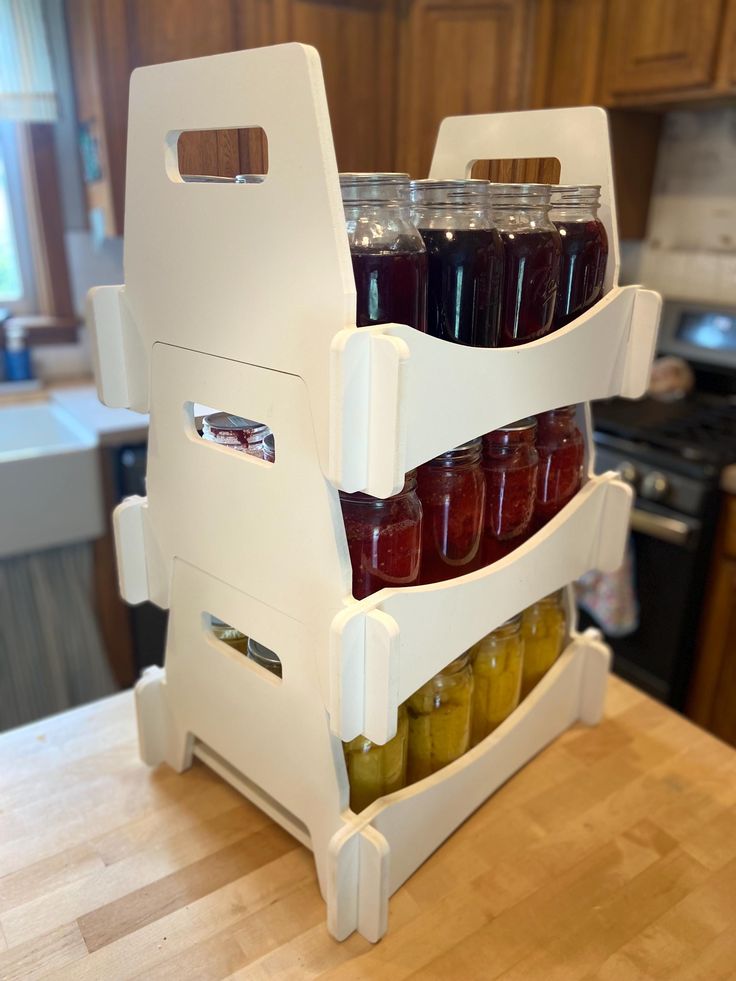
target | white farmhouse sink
[{"x": 50, "y": 488}]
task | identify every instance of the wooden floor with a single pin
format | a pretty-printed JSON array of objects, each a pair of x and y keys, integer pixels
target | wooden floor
[{"x": 612, "y": 855}]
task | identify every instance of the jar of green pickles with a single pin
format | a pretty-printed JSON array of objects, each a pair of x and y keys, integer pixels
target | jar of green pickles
[
  {"x": 543, "y": 630},
  {"x": 497, "y": 664},
  {"x": 229, "y": 635},
  {"x": 439, "y": 719},
  {"x": 373, "y": 770}
]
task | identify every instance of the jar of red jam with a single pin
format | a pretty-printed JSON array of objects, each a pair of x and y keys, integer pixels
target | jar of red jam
[
  {"x": 584, "y": 249},
  {"x": 464, "y": 259},
  {"x": 532, "y": 254},
  {"x": 241, "y": 434},
  {"x": 561, "y": 448},
  {"x": 388, "y": 254},
  {"x": 452, "y": 491},
  {"x": 384, "y": 538},
  {"x": 510, "y": 469}
]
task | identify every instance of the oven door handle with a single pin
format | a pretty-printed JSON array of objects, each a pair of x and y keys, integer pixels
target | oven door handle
[{"x": 675, "y": 531}]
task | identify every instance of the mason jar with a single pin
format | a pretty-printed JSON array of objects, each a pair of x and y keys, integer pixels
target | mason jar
[
  {"x": 387, "y": 251},
  {"x": 451, "y": 489},
  {"x": 584, "y": 249},
  {"x": 532, "y": 253},
  {"x": 497, "y": 664},
  {"x": 510, "y": 468},
  {"x": 561, "y": 451},
  {"x": 439, "y": 719},
  {"x": 373, "y": 770},
  {"x": 384, "y": 538},
  {"x": 241, "y": 434},
  {"x": 543, "y": 630},
  {"x": 464, "y": 259}
]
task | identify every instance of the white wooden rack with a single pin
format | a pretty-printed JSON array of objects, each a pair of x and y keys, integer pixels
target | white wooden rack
[{"x": 241, "y": 296}]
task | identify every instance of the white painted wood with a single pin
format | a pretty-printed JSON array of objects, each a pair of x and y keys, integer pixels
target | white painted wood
[
  {"x": 445, "y": 394},
  {"x": 243, "y": 299}
]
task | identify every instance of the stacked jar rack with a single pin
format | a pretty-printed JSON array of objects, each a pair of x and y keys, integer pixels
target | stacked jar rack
[{"x": 241, "y": 296}]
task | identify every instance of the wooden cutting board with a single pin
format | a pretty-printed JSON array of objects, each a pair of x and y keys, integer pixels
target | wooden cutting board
[{"x": 612, "y": 855}]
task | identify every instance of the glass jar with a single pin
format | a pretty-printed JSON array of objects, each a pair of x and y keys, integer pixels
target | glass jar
[
  {"x": 269, "y": 448},
  {"x": 389, "y": 258},
  {"x": 561, "y": 450},
  {"x": 264, "y": 656},
  {"x": 439, "y": 719},
  {"x": 584, "y": 249},
  {"x": 229, "y": 635},
  {"x": 497, "y": 664},
  {"x": 373, "y": 770},
  {"x": 532, "y": 253},
  {"x": 234, "y": 431},
  {"x": 452, "y": 492},
  {"x": 464, "y": 259},
  {"x": 510, "y": 470},
  {"x": 384, "y": 538},
  {"x": 543, "y": 632}
]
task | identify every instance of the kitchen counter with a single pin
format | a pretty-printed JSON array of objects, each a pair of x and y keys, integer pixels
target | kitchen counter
[
  {"x": 612, "y": 854},
  {"x": 113, "y": 427}
]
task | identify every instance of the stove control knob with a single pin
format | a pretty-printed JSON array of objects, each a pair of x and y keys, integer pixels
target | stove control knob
[
  {"x": 655, "y": 486},
  {"x": 629, "y": 473}
]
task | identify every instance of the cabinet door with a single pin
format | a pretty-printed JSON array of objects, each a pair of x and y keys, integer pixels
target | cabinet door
[
  {"x": 170, "y": 30},
  {"x": 660, "y": 46},
  {"x": 457, "y": 57},
  {"x": 356, "y": 40}
]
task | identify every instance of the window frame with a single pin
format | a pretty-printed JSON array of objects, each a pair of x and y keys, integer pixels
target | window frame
[{"x": 14, "y": 153}]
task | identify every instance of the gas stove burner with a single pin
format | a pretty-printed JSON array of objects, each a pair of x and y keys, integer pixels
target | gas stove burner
[{"x": 696, "y": 429}]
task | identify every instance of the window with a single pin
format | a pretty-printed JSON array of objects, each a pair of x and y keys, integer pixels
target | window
[{"x": 17, "y": 288}]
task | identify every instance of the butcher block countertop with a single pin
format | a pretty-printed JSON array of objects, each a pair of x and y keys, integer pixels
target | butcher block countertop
[{"x": 612, "y": 855}]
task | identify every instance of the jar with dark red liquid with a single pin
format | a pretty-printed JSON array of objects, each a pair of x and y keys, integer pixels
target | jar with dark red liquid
[
  {"x": 531, "y": 253},
  {"x": 561, "y": 449},
  {"x": 384, "y": 538},
  {"x": 584, "y": 249},
  {"x": 452, "y": 492},
  {"x": 510, "y": 470},
  {"x": 464, "y": 259},
  {"x": 388, "y": 254}
]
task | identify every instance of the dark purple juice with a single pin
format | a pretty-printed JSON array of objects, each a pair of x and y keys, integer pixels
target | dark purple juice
[
  {"x": 530, "y": 277},
  {"x": 391, "y": 288},
  {"x": 464, "y": 269},
  {"x": 584, "y": 255}
]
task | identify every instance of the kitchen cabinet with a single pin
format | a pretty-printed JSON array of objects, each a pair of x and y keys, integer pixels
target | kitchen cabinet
[
  {"x": 661, "y": 46},
  {"x": 712, "y": 701},
  {"x": 454, "y": 59},
  {"x": 110, "y": 38},
  {"x": 357, "y": 42}
]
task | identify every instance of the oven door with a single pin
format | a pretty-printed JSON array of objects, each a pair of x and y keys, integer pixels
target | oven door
[{"x": 670, "y": 563}]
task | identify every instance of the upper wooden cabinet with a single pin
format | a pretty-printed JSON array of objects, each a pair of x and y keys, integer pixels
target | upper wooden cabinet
[
  {"x": 661, "y": 47},
  {"x": 356, "y": 40},
  {"x": 457, "y": 58}
]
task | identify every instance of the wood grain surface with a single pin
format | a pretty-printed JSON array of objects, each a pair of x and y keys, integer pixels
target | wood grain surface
[{"x": 612, "y": 855}]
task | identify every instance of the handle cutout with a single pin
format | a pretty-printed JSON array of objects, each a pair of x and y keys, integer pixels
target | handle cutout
[
  {"x": 534, "y": 170},
  {"x": 217, "y": 156},
  {"x": 232, "y": 432}
]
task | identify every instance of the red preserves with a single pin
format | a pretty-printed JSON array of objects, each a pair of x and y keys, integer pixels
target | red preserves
[
  {"x": 510, "y": 468},
  {"x": 452, "y": 492},
  {"x": 531, "y": 261},
  {"x": 584, "y": 250},
  {"x": 561, "y": 450},
  {"x": 384, "y": 538}
]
